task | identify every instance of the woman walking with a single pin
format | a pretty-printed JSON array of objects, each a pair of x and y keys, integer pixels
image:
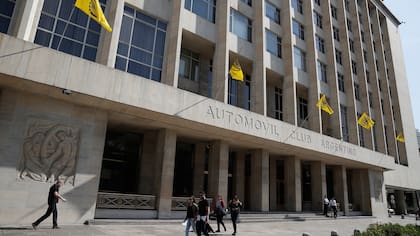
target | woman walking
[
  {"x": 190, "y": 218},
  {"x": 234, "y": 207},
  {"x": 220, "y": 213}
]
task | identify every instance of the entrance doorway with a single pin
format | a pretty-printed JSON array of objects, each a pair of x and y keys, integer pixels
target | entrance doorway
[
  {"x": 306, "y": 186},
  {"x": 280, "y": 185}
]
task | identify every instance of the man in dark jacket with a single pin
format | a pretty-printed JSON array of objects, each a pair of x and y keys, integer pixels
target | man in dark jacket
[{"x": 53, "y": 197}]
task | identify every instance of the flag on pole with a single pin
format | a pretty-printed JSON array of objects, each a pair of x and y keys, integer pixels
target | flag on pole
[
  {"x": 365, "y": 121},
  {"x": 323, "y": 104},
  {"x": 236, "y": 71},
  {"x": 93, "y": 9},
  {"x": 400, "y": 138}
]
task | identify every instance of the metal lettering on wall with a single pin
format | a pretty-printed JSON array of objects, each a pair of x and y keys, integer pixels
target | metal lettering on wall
[{"x": 49, "y": 152}]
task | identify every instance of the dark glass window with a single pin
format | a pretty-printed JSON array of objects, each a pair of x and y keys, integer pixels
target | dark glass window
[
  {"x": 204, "y": 8},
  {"x": 240, "y": 25},
  {"x": 273, "y": 43},
  {"x": 6, "y": 12}
]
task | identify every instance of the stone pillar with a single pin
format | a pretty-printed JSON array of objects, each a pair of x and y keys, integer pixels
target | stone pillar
[
  {"x": 340, "y": 188},
  {"x": 293, "y": 184},
  {"x": 239, "y": 176},
  {"x": 260, "y": 195},
  {"x": 378, "y": 194},
  {"x": 400, "y": 202},
  {"x": 218, "y": 169},
  {"x": 173, "y": 45},
  {"x": 148, "y": 163},
  {"x": 221, "y": 54},
  {"x": 199, "y": 162},
  {"x": 318, "y": 184},
  {"x": 165, "y": 157},
  {"x": 25, "y": 19}
]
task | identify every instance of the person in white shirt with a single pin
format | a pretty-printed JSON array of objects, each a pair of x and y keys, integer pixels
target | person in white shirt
[
  {"x": 333, "y": 205},
  {"x": 326, "y": 205}
]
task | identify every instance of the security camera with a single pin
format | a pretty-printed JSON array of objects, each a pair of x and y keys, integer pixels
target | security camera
[{"x": 67, "y": 91}]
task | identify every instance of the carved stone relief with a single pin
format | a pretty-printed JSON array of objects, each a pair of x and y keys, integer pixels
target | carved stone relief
[{"x": 49, "y": 152}]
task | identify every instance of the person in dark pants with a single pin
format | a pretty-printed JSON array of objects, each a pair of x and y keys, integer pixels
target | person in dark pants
[
  {"x": 220, "y": 212},
  {"x": 234, "y": 207},
  {"x": 53, "y": 197},
  {"x": 203, "y": 215},
  {"x": 326, "y": 205}
]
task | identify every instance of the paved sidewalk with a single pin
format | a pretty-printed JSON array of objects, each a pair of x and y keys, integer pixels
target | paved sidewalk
[{"x": 315, "y": 227}]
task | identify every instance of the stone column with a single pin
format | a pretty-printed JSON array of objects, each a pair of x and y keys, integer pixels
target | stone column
[
  {"x": 218, "y": 169},
  {"x": 260, "y": 194},
  {"x": 378, "y": 194},
  {"x": 400, "y": 202},
  {"x": 147, "y": 163},
  {"x": 173, "y": 45},
  {"x": 293, "y": 184},
  {"x": 340, "y": 188},
  {"x": 319, "y": 184},
  {"x": 199, "y": 162},
  {"x": 239, "y": 176},
  {"x": 25, "y": 19},
  {"x": 165, "y": 157}
]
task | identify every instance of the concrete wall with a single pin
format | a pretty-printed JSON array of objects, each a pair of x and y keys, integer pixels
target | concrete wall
[{"x": 24, "y": 200}]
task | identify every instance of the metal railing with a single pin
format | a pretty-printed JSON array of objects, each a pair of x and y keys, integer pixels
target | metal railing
[{"x": 125, "y": 201}]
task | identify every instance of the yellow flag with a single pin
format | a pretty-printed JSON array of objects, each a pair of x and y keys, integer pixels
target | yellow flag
[
  {"x": 323, "y": 104},
  {"x": 365, "y": 121},
  {"x": 400, "y": 138},
  {"x": 236, "y": 71},
  {"x": 93, "y": 9}
]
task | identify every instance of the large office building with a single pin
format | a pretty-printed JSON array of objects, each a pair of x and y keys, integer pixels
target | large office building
[{"x": 137, "y": 119}]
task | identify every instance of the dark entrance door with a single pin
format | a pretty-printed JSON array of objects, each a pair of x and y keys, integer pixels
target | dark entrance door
[
  {"x": 280, "y": 185},
  {"x": 183, "y": 174},
  {"x": 330, "y": 182},
  {"x": 306, "y": 187}
]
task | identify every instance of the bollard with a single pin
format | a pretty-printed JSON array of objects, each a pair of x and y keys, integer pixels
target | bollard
[
  {"x": 306, "y": 234},
  {"x": 334, "y": 233},
  {"x": 356, "y": 232}
]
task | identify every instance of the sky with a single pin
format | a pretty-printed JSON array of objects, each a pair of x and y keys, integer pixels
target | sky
[{"x": 408, "y": 11}]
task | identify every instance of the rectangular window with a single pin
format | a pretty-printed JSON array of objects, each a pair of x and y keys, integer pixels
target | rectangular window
[
  {"x": 203, "y": 8},
  {"x": 354, "y": 67},
  {"x": 298, "y": 30},
  {"x": 357, "y": 92},
  {"x": 240, "y": 25},
  {"x": 349, "y": 25},
  {"x": 361, "y": 135},
  {"x": 317, "y": 19},
  {"x": 6, "y": 11},
  {"x": 189, "y": 65},
  {"x": 299, "y": 59},
  {"x": 303, "y": 110},
  {"x": 322, "y": 71},
  {"x": 336, "y": 33},
  {"x": 347, "y": 5},
  {"x": 272, "y": 12},
  {"x": 141, "y": 44},
  {"x": 362, "y": 36},
  {"x": 67, "y": 29},
  {"x": 340, "y": 79},
  {"x": 240, "y": 92},
  {"x": 317, "y": 2},
  {"x": 334, "y": 12},
  {"x": 367, "y": 76},
  {"x": 344, "y": 123},
  {"x": 377, "y": 65},
  {"x": 338, "y": 57},
  {"x": 248, "y": 2},
  {"x": 320, "y": 44},
  {"x": 278, "y": 100},
  {"x": 273, "y": 43},
  {"x": 298, "y": 5},
  {"x": 370, "y": 99},
  {"x": 365, "y": 56},
  {"x": 351, "y": 45}
]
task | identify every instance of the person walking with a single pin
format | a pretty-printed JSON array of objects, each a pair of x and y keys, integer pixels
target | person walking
[
  {"x": 220, "y": 213},
  {"x": 234, "y": 207},
  {"x": 326, "y": 205},
  {"x": 53, "y": 197},
  {"x": 203, "y": 215},
  {"x": 333, "y": 205},
  {"x": 190, "y": 218}
]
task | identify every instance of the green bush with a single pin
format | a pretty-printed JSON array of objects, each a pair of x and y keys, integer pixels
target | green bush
[{"x": 392, "y": 230}]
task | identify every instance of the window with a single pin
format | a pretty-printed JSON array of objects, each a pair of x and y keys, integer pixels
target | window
[
  {"x": 380, "y": 84},
  {"x": 298, "y": 5},
  {"x": 298, "y": 30},
  {"x": 240, "y": 25},
  {"x": 299, "y": 59},
  {"x": 248, "y": 2},
  {"x": 370, "y": 99},
  {"x": 365, "y": 57},
  {"x": 6, "y": 12},
  {"x": 272, "y": 12},
  {"x": 354, "y": 67},
  {"x": 340, "y": 80},
  {"x": 203, "y": 8},
  {"x": 67, "y": 29},
  {"x": 377, "y": 65},
  {"x": 141, "y": 45},
  {"x": 344, "y": 123},
  {"x": 338, "y": 57},
  {"x": 347, "y": 5},
  {"x": 362, "y": 36},
  {"x": 189, "y": 65},
  {"x": 359, "y": 16},
  {"x": 357, "y": 91},
  {"x": 336, "y": 33},
  {"x": 240, "y": 92},
  {"x": 317, "y": 2},
  {"x": 349, "y": 25},
  {"x": 320, "y": 43},
  {"x": 351, "y": 45},
  {"x": 303, "y": 110},
  {"x": 334, "y": 12},
  {"x": 278, "y": 100},
  {"x": 367, "y": 76},
  {"x": 273, "y": 43},
  {"x": 322, "y": 71},
  {"x": 317, "y": 19},
  {"x": 361, "y": 135}
]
